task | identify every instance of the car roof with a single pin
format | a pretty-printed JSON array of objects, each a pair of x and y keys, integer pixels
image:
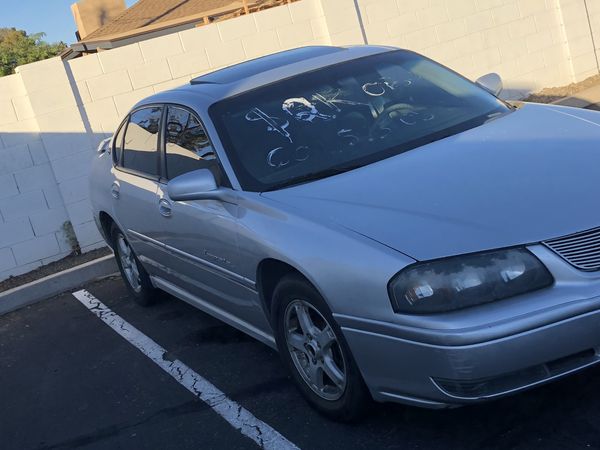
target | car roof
[{"x": 254, "y": 73}]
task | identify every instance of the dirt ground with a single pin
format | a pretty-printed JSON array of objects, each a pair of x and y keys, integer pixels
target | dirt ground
[
  {"x": 54, "y": 267},
  {"x": 549, "y": 95}
]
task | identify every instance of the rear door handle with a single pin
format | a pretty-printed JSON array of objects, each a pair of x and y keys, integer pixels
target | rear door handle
[
  {"x": 114, "y": 190},
  {"x": 164, "y": 207}
]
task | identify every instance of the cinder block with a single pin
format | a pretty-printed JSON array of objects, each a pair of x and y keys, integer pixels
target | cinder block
[
  {"x": 319, "y": 28},
  {"x": 489, "y": 4},
  {"x": 72, "y": 166},
  {"x": 342, "y": 21},
  {"x": 260, "y": 44},
  {"x": 85, "y": 67},
  {"x": 352, "y": 36},
  {"x": 188, "y": 63},
  {"x": 150, "y": 73},
  {"x": 80, "y": 212},
  {"x": 7, "y": 112},
  {"x": 461, "y": 9},
  {"x": 198, "y": 38},
  {"x": 295, "y": 35},
  {"x": 226, "y": 53},
  {"x": 125, "y": 102},
  {"x": 35, "y": 178},
  {"x": 23, "y": 108},
  {"x": 14, "y": 231},
  {"x": 43, "y": 75},
  {"x": 161, "y": 47},
  {"x": 7, "y": 260},
  {"x": 22, "y": 205},
  {"x": 82, "y": 93},
  {"x": 469, "y": 43},
  {"x": 118, "y": 59},
  {"x": 55, "y": 97},
  {"x": 53, "y": 197},
  {"x": 376, "y": 12},
  {"x": 531, "y": 7},
  {"x": 538, "y": 41},
  {"x": 8, "y": 186},
  {"x": 14, "y": 158},
  {"x": 60, "y": 145},
  {"x": 403, "y": 24},
  {"x": 496, "y": 36},
  {"x": 522, "y": 27},
  {"x": 88, "y": 234},
  {"x": 21, "y": 132},
  {"x": 50, "y": 221},
  {"x": 305, "y": 10},
  {"x": 271, "y": 18},
  {"x": 451, "y": 30},
  {"x": 236, "y": 28},
  {"x": 11, "y": 86},
  {"x": 101, "y": 111},
  {"x": 113, "y": 83},
  {"x": 171, "y": 84},
  {"x": 421, "y": 39},
  {"x": 506, "y": 13},
  {"x": 433, "y": 15},
  {"x": 74, "y": 190},
  {"x": 36, "y": 249},
  {"x": 480, "y": 21}
]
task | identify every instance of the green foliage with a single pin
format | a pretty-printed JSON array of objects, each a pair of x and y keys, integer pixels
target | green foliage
[{"x": 18, "y": 48}]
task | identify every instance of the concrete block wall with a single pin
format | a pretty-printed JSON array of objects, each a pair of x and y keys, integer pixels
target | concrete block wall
[
  {"x": 522, "y": 40},
  {"x": 53, "y": 114},
  {"x": 32, "y": 212}
]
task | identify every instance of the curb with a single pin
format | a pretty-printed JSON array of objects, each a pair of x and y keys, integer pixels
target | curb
[
  {"x": 582, "y": 99},
  {"x": 56, "y": 283}
]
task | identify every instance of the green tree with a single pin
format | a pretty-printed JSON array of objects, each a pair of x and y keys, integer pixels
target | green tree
[{"x": 18, "y": 48}]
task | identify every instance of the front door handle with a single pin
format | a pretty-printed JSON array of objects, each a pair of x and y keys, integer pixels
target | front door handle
[
  {"x": 164, "y": 207},
  {"x": 114, "y": 190}
]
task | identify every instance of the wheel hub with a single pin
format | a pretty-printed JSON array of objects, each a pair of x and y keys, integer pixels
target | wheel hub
[{"x": 315, "y": 350}]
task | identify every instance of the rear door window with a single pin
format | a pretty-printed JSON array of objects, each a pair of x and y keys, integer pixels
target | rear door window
[{"x": 140, "y": 148}]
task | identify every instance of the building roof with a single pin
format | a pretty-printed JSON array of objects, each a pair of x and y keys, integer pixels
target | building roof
[{"x": 146, "y": 16}]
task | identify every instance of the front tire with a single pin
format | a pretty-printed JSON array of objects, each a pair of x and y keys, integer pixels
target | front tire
[
  {"x": 315, "y": 352},
  {"x": 134, "y": 275}
]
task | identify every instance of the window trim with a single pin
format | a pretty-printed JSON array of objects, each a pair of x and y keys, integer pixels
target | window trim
[
  {"x": 119, "y": 166},
  {"x": 225, "y": 181}
]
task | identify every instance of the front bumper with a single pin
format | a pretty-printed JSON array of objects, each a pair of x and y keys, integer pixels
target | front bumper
[{"x": 437, "y": 375}]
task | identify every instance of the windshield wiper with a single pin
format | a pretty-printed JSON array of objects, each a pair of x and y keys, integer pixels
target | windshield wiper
[{"x": 312, "y": 176}]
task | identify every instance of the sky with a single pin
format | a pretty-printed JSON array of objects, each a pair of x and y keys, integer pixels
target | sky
[{"x": 53, "y": 17}]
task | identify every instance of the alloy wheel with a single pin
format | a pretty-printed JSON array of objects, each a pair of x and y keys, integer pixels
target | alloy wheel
[
  {"x": 129, "y": 264},
  {"x": 315, "y": 350}
]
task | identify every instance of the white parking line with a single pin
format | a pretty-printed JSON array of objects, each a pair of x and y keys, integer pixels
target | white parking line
[{"x": 237, "y": 416}]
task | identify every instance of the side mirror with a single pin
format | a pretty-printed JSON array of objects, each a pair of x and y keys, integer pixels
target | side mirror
[
  {"x": 196, "y": 185},
  {"x": 491, "y": 82}
]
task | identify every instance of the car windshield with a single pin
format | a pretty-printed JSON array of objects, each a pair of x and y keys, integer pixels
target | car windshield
[{"x": 344, "y": 116}]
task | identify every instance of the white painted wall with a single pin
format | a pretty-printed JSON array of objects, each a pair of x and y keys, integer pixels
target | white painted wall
[{"x": 54, "y": 113}]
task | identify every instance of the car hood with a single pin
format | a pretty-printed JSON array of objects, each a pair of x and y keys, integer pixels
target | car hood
[{"x": 531, "y": 175}]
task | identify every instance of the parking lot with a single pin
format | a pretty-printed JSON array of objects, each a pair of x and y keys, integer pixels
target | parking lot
[{"x": 68, "y": 380}]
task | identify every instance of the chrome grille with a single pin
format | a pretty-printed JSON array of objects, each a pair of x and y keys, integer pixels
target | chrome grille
[{"x": 582, "y": 250}]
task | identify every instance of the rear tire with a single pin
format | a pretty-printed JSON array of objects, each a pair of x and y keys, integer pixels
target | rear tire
[
  {"x": 134, "y": 275},
  {"x": 313, "y": 349}
]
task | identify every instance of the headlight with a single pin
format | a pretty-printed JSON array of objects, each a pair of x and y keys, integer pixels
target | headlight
[{"x": 468, "y": 280}]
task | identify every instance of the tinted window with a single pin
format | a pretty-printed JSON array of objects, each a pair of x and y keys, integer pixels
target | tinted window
[
  {"x": 187, "y": 146},
  {"x": 118, "y": 147},
  {"x": 330, "y": 120},
  {"x": 141, "y": 141}
]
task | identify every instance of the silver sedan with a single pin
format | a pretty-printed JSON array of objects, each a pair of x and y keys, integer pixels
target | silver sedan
[{"x": 396, "y": 231}]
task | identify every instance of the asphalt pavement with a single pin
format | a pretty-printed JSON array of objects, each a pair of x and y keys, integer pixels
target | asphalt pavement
[{"x": 67, "y": 380}]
